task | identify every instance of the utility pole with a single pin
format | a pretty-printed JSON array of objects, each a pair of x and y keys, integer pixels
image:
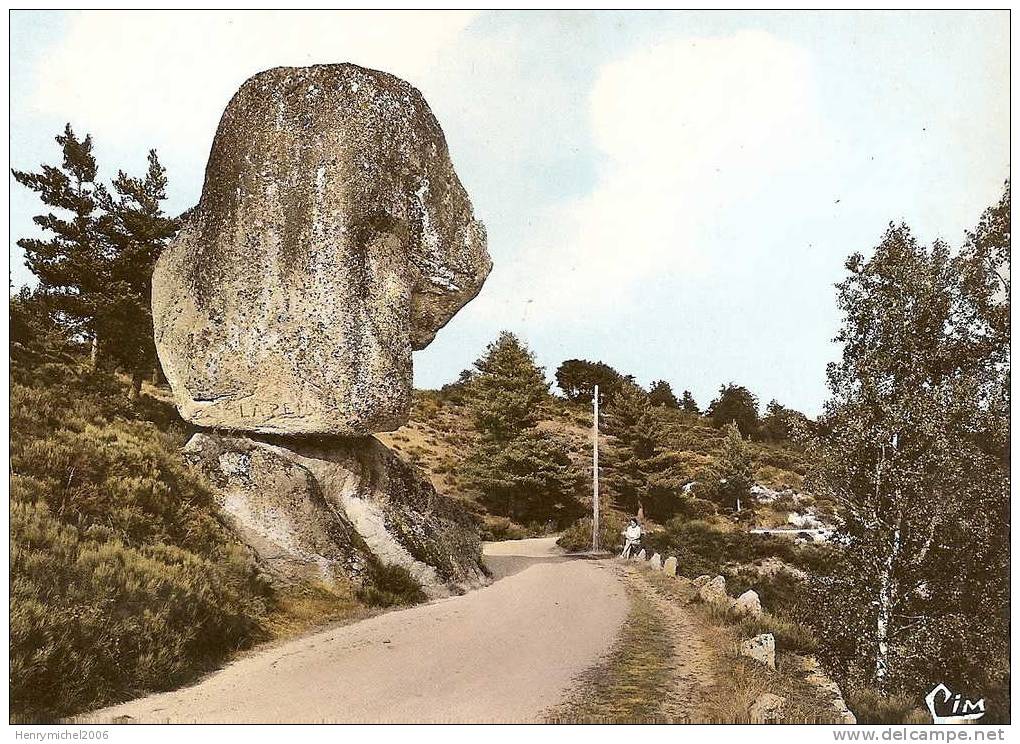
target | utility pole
[{"x": 595, "y": 474}]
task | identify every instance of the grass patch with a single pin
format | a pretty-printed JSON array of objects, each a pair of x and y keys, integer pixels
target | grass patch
[
  {"x": 304, "y": 607},
  {"x": 390, "y": 585},
  {"x": 627, "y": 687},
  {"x": 872, "y": 707}
]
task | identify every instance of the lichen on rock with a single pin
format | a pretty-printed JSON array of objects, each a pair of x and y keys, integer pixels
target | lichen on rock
[{"x": 332, "y": 238}]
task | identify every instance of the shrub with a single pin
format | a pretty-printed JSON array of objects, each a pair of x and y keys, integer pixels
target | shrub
[
  {"x": 790, "y": 635},
  {"x": 502, "y": 528},
  {"x": 122, "y": 578},
  {"x": 389, "y": 585},
  {"x": 577, "y": 537},
  {"x": 873, "y": 707},
  {"x": 695, "y": 508}
]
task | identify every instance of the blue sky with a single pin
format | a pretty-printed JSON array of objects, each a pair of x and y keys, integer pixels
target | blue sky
[{"x": 673, "y": 193}]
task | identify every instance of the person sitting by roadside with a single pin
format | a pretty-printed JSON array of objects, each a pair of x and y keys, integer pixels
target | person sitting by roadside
[{"x": 631, "y": 538}]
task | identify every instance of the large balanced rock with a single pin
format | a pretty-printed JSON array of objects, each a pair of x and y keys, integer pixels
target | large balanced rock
[
  {"x": 320, "y": 509},
  {"x": 332, "y": 238}
]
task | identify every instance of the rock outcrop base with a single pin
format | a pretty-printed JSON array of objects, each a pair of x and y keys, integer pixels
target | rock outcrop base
[{"x": 318, "y": 508}]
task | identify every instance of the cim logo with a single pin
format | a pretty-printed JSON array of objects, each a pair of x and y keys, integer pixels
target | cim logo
[{"x": 946, "y": 706}]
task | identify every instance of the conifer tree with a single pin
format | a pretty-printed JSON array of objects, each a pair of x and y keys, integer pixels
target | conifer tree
[
  {"x": 735, "y": 470},
  {"x": 688, "y": 404},
  {"x": 661, "y": 394},
  {"x": 508, "y": 389},
  {"x": 138, "y": 230},
  {"x": 73, "y": 262},
  {"x": 518, "y": 470}
]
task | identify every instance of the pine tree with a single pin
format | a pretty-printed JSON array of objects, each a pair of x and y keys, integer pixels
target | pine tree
[
  {"x": 518, "y": 470},
  {"x": 508, "y": 390},
  {"x": 577, "y": 379},
  {"x": 661, "y": 394},
  {"x": 735, "y": 469},
  {"x": 630, "y": 426},
  {"x": 138, "y": 230},
  {"x": 688, "y": 404},
  {"x": 735, "y": 405},
  {"x": 73, "y": 264}
]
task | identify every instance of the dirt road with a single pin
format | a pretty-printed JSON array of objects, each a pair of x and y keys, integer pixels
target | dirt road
[{"x": 504, "y": 653}]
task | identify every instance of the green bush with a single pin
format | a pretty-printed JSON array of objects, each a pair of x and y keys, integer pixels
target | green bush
[
  {"x": 694, "y": 508},
  {"x": 577, "y": 537},
  {"x": 501, "y": 528},
  {"x": 122, "y": 579},
  {"x": 390, "y": 585}
]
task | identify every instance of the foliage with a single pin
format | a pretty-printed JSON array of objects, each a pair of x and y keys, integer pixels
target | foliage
[
  {"x": 530, "y": 478},
  {"x": 688, "y": 404},
  {"x": 661, "y": 394},
  {"x": 577, "y": 379},
  {"x": 519, "y": 471},
  {"x": 390, "y": 585},
  {"x": 122, "y": 577},
  {"x": 735, "y": 405},
  {"x": 577, "y": 537},
  {"x": 915, "y": 450},
  {"x": 95, "y": 267},
  {"x": 502, "y": 528},
  {"x": 780, "y": 423},
  {"x": 507, "y": 390},
  {"x": 137, "y": 230},
  {"x": 736, "y": 471},
  {"x": 705, "y": 547},
  {"x": 872, "y": 707}
]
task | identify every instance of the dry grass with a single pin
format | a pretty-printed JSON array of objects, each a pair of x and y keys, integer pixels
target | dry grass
[
  {"x": 741, "y": 681},
  {"x": 628, "y": 685},
  {"x": 309, "y": 607}
]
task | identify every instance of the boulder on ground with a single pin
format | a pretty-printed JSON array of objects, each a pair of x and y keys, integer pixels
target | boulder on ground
[
  {"x": 642, "y": 556},
  {"x": 669, "y": 567},
  {"x": 332, "y": 238},
  {"x": 761, "y": 648},
  {"x": 655, "y": 561},
  {"x": 767, "y": 708},
  {"x": 315, "y": 509},
  {"x": 816, "y": 677},
  {"x": 749, "y": 604},
  {"x": 714, "y": 590},
  {"x": 700, "y": 581}
]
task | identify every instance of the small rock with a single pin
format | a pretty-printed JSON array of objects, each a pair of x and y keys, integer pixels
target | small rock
[
  {"x": 768, "y": 708},
  {"x": 816, "y": 677},
  {"x": 761, "y": 648},
  {"x": 656, "y": 561},
  {"x": 642, "y": 556},
  {"x": 701, "y": 581},
  {"x": 748, "y": 603},
  {"x": 669, "y": 567},
  {"x": 714, "y": 590}
]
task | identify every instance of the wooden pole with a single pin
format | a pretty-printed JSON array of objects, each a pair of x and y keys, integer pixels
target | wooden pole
[{"x": 595, "y": 474}]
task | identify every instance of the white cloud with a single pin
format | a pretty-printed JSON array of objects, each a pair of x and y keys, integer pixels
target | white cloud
[
  {"x": 693, "y": 134},
  {"x": 166, "y": 76}
]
